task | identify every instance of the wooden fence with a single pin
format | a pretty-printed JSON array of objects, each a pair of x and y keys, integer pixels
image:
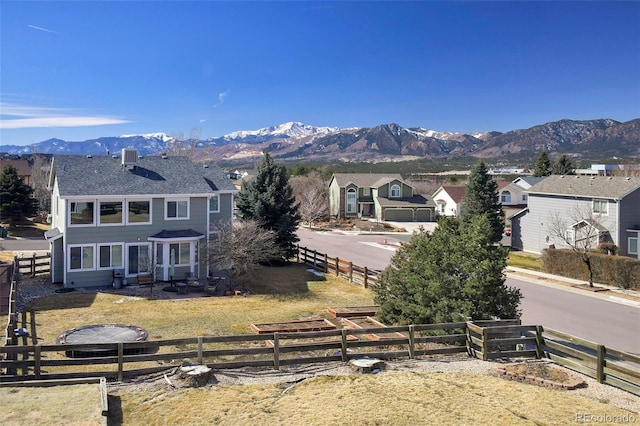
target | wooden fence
[
  {"x": 33, "y": 265},
  {"x": 606, "y": 365},
  {"x": 339, "y": 267},
  {"x": 8, "y": 293}
]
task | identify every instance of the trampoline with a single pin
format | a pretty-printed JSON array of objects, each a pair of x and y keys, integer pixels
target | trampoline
[{"x": 100, "y": 333}]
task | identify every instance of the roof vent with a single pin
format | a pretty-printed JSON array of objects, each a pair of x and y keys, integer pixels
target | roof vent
[
  {"x": 206, "y": 166},
  {"x": 627, "y": 178},
  {"x": 609, "y": 178},
  {"x": 129, "y": 157},
  {"x": 89, "y": 156}
]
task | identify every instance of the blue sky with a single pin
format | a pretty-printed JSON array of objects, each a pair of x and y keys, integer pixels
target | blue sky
[{"x": 81, "y": 70}]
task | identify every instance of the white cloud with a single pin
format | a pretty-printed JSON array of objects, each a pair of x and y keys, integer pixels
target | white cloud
[
  {"x": 24, "y": 117},
  {"x": 221, "y": 97},
  {"x": 42, "y": 29}
]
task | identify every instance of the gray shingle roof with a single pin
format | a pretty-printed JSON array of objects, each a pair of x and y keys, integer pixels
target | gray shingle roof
[
  {"x": 612, "y": 187},
  {"x": 365, "y": 180},
  {"x": 103, "y": 175},
  {"x": 415, "y": 201}
]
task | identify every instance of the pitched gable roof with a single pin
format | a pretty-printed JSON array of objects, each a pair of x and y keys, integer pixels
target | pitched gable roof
[
  {"x": 365, "y": 180},
  {"x": 455, "y": 192},
  {"x": 612, "y": 187},
  {"x": 103, "y": 175}
]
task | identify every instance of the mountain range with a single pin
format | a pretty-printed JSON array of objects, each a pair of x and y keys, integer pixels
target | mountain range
[{"x": 602, "y": 138}]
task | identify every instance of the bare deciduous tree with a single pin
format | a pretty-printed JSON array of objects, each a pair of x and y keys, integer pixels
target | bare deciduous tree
[
  {"x": 185, "y": 146},
  {"x": 241, "y": 247},
  {"x": 581, "y": 230},
  {"x": 40, "y": 177},
  {"x": 312, "y": 196}
]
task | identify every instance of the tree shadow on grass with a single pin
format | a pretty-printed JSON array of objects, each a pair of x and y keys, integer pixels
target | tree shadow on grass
[
  {"x": 63, "y": 301},
  {"x": 289, "y": 280}
]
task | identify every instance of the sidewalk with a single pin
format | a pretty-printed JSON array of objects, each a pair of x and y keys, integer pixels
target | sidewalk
[{"x": 614, "y": 294}]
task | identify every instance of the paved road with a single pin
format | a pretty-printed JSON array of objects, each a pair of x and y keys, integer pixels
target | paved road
[
  {"x": 23, "y": 244},
  {"x": 586, "y": 316}
]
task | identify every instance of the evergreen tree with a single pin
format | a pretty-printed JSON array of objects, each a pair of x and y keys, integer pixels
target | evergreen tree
[
  {"x": 16, "y": 200},
  {"x": 482, "y": 199},
  {"x": 268, "y": 198},
  {"x": 543, "y": 165},
  {"x": 453, "y": 274},
  {"x": 563, "y": 166}
]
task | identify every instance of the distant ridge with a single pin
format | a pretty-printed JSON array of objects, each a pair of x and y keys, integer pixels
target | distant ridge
[{"x": 386, "y": 142}]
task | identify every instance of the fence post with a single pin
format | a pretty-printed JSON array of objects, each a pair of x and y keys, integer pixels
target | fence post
[
  {"x": 34, "y": 336},
  {"x": 37, "y": 353},
  {"x": 337, "y": 267},
  {"x": 199, "y": 350},
  {"x": 298, "y": 253},
  {"x": 343, "y": 349},
  {"x": 350, "y": 272},
  {"x": 315, "y": 254},
  {"x": 120, "y": 361},
  {"x": 412, "y": 341},
  {"x": 326, "y": 261},
  {"x": 485, "y": 344},
  {"x": 539, "y": 342},
  {"x": 366, "y": 276},
  {"x": 276, "y": 351},
  {"x": 33, "y": 265},
  {"x": 600, "y": 364}
]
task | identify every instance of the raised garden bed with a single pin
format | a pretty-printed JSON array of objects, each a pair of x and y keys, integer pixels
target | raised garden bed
[
  {"x": 540, "y": 374},
  {"x": 357, "y": 323},
  {"x": 353, "y": 311},
  {"x": 312, "y": 324}
]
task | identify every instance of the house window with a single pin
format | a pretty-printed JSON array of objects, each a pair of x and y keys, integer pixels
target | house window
[
  {"x": 181, "y": 253},
  {"x": 440, "y": 207},
  {"x": 110, "y": 213},
  {"x": 395, "y": 191},
  {"x": 138, "y": 261},
  {"x": 570, "y": 236},
  {"x": 81, "y": 212},
  {"x": 632, "y": 245},
  {"x": 600, "y": 207},
  {"x": 505, "y": 197},
  {"x": 177, "y": 209},
  {"x": 351, "y": 200},
  {"x": 366, "y": 192},
  {"x": 110, "y": 256},
  {"x": 139, "y": 212},
  {"x": 214, "y": 204},
  {"x": 81, "y": 258}
]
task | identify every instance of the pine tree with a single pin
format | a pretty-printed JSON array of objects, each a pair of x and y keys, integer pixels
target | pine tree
[
  {"x": 16, "y": 200},
  {"x": 453, "y": 274},
  {"x": 268, "y": 198},
  {"x": 482, "y": 199},
  {"x": 543, "y": 165},
  {"x": 563, "y": 166}
]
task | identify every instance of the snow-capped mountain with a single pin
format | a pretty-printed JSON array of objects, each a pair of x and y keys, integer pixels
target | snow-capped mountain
[{"x": 297, "y": 142}]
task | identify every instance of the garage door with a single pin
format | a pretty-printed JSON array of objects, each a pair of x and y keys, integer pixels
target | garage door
[
  {"x": 423, "y": 215},
  {"x": 399, "y": 215}
]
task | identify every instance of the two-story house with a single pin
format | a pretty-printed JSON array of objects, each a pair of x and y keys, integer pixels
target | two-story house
[
  {"x": 609, "y": 204},
  {"x": 385, "y": 197},
  {"x": 448, "y": 200},
  {"x": 152, "y": 215}
]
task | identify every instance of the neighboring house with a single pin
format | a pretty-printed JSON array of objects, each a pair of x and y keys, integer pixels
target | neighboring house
[
  {"x": 515, "y": 192},
  {"x": 610, "y": 206},
  {"x": 151, "y": 215},
  {"x": 22, "y": 167},
  {"x": 385, "y": 197},
  {"x": 448, "y": 200}
]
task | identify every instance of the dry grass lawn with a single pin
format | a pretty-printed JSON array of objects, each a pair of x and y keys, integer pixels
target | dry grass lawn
[
  {"x": 389, "y": 398},
  {"x": 59, "y": 405}
]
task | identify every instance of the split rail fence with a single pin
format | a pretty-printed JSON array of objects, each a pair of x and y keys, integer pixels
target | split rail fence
[
  {"x": 339, "y": 267},
  {"x": 33, "y": 265},
  {"x": 487, "y": 340}
]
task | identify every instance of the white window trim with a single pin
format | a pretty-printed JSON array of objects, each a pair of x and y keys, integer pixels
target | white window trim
[
  {"x": 110, "y": 245},
  {"x": 391, "y": 191},
  {"x": 600, "y": 200},
  {"x": 137, "y": 200},
  {"x": 191, "y": 252},
  {"x": 82, "y": 269},
  {"x": 122, "y": 222},
  {"x": 637, "y": 240},
  {"x": 81, "y": 225},
  {"x": 355, "y": 201},
  {"x": 176, "y": 200},
  {"x": 209, "y": 202},
  {"x": 126, "y": 258},
  {"x": 366, "y": 191}
]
